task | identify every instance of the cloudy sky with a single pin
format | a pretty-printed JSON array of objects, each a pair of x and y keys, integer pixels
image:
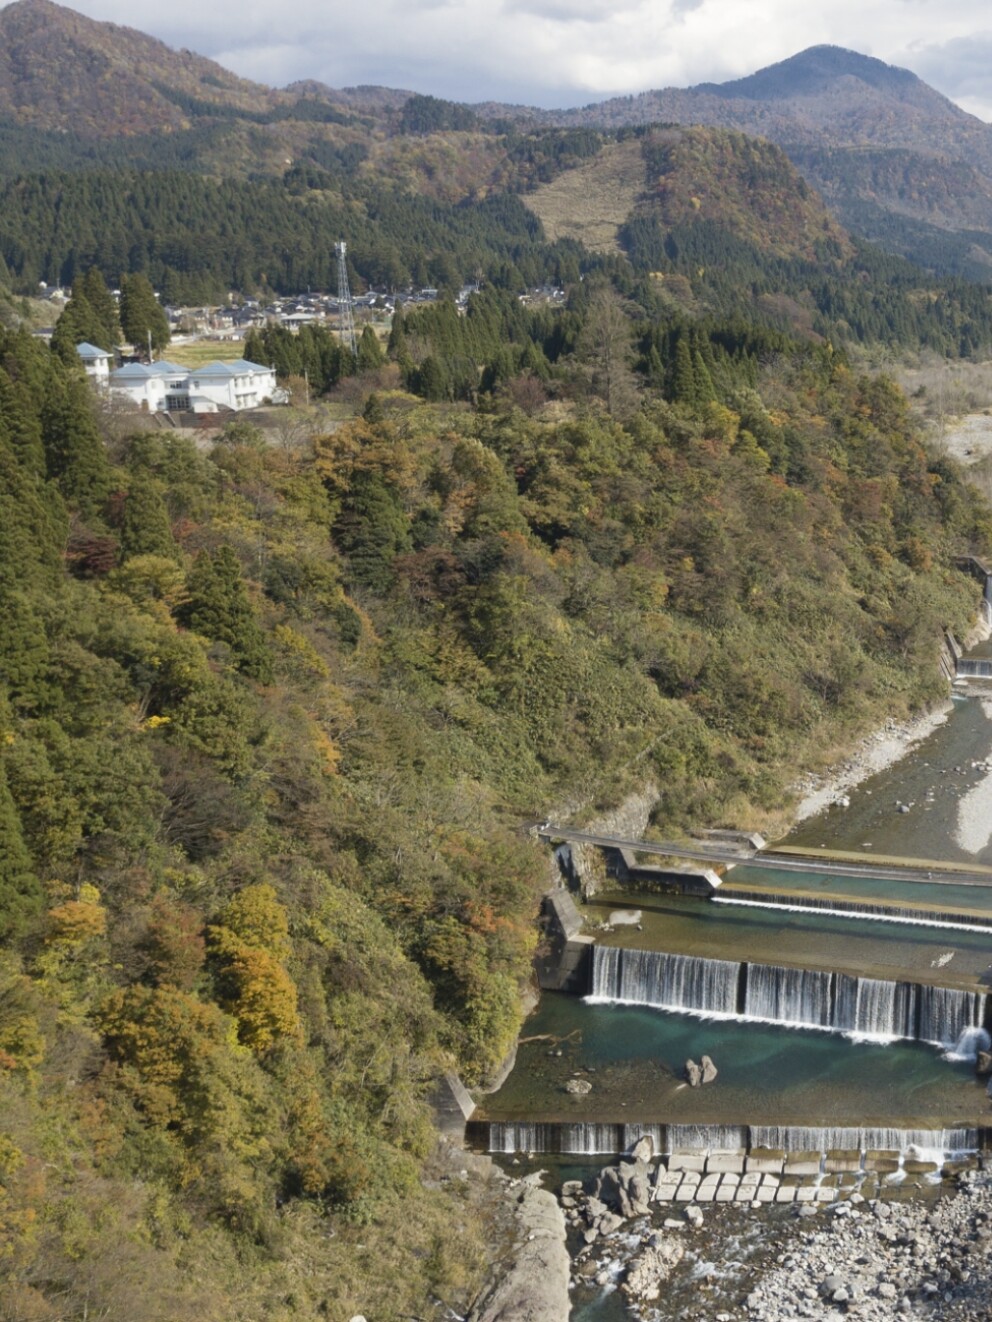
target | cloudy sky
[{"x": 564, "y": 52}]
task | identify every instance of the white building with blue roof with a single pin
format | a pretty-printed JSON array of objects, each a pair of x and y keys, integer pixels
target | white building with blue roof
[
  {"x": 218, "y": 387},
  {"x": 96, "y": 363}
]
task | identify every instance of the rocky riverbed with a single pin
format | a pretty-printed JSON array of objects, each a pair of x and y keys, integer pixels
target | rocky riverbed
[
  {"x": 881, "y": 749},
  {"x": 911, "y": 1250}
]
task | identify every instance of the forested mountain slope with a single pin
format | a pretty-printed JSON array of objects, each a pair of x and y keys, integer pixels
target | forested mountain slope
[
  {"x": 271, "y": 718},
  {"x": 274, "y": 711},
  {"x": 898, "y": 163}
]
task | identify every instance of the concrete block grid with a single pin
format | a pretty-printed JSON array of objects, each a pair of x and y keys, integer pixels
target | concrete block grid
[{"x": 764, "y": 1176}]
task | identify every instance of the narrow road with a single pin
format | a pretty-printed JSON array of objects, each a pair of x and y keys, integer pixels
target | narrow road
[{"x": 907, "y": 871}]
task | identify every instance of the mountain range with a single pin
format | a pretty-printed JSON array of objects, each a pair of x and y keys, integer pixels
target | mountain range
[{"x": 895, "y": 161}]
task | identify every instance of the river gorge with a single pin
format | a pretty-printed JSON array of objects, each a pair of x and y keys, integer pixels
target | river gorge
[{"x": 842, "y": 1016}]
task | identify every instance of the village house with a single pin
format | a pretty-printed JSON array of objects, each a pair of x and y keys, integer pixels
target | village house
[
  {"x": 96, "y": 363},
  {"x": 168, "y": 387}
]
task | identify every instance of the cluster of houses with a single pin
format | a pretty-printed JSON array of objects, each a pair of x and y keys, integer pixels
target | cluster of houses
[
  {"x": 222, "y": 386},
  {"x": 167, "y": 387},
  {"x": 241, "y": 315}
]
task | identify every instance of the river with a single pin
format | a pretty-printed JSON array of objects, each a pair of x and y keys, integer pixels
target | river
[{"x": 933, "y": 803}]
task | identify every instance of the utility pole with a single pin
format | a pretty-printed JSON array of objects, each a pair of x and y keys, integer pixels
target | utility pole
[{"x": 346, "y": 315}]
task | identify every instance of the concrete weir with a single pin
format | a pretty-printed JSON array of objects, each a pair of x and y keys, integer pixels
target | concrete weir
[{"x": 767, "y": 1149}]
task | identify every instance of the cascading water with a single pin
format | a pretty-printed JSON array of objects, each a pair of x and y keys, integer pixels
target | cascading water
[
  {"x": 593, "y": 1140},
  {"x": 856, "y": 910},
  {"x": 973, "y": 669},
  {"x": 808, "y": 998},
  {"x": 590, "y": 1139},
  {"x": 808, "y": 1138},
  {"x": 801, "y": 997},
  {"x": 711, "y": 1138},
  {"x": 944, "y": 1014},
  {"x": 665, "y": 982},
  {"x": 970, "y": 1042},
  {"x": 870, "y": 1007}
]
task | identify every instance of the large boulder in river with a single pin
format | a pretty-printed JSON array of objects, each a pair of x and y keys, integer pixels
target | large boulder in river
[
  {"x": 578, "y": 1087},
  {"x": 643, "y": 1149},
  {"x": 693, "y": 1073},
  {"x": 709, "y": 1070},
  {"x": 650, "y": 1270}
]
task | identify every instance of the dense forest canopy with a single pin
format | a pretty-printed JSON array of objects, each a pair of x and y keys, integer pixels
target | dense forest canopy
[
  {"x": 275, "y": 708},
  {"x": 271, "y": 716},
  {"x": 724, "y": 225}
]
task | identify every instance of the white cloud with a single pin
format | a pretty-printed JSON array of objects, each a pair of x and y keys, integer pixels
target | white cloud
[{"x": 558, "y": 52}]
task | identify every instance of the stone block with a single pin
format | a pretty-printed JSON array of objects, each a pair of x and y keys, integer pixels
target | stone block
[
  {"x": 802, "y": 1163},
  {"x": 898, "y": 1193},
  {"x": 753, "y": 1178},
  {"x": 882, "y": 1160},
  {"x": 785, "y": 1194},
  {"x": 765, "y": 1194},
  {"x": 920, "y": 1167},
  {"x": 770, "y": 1160},
  {"x": 729, "y": 1178},
  {"x": 705, "y": 1194},
  {"x": 691, "y": 1177},
  {"x": 745, "y": 1193},
  {"x": 685, "y": 1193},
  {"x": 687, "y": 1161},
  {"x": 842, "y": 1160},
  {"x": 710, "y": 1181},
  {"x": 958, "y": 1164},
  {"x": 726, "y": 1193},
  {"x": 826, "y": 1193},
  {"x": 806, "y": 1193},
  {"x": 726, "y": 1161},
  {"x": 665, "y": 1194}
]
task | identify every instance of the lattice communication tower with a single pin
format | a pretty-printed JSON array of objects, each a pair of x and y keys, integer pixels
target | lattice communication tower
[{"x": 346, "y": 313}]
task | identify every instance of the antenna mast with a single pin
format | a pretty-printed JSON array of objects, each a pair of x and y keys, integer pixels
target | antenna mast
[{"x": 346, "y": 313}]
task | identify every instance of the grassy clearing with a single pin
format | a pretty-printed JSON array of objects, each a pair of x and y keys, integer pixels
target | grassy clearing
[
  {"x": 198, "y": 352},
  {"x": 591, "y": 202}
]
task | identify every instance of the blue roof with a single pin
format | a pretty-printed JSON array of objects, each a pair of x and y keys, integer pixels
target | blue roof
[
  {"x": 132, "y": 372},
  {"x": 216, "y": 369},
  {"x": 237, "y": 368},
  {"x": 87, "y": 350}
]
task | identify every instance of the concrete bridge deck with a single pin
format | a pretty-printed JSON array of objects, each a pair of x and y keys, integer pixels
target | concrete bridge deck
[{"x": 787, "y": 859}]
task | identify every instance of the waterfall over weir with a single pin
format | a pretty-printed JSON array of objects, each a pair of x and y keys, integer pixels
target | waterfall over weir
[
  {"x": 799, "y": 998},
  {"x": 592, "y": 1140}
]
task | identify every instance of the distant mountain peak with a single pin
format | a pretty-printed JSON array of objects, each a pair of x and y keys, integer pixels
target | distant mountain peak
[{"x": 813, "y": 71}]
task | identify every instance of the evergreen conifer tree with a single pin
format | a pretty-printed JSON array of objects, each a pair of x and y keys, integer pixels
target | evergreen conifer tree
[
  {"x": 370, "y": 354},
  {"x": 76, "y": 324},
  {"x": 219, "y": 608},
  {"x": 74, "y": 451},
  {"x": 145, "y": 528},
  {"x": 21, "y": 896},
  {"x": 104, "y": 307},
  {"x": 683, "y": 375},
  {"x": 141, "y": 317}
]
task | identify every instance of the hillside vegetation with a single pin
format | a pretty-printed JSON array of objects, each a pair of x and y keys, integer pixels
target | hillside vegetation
[
  {"x": 899, "y": 164},
  {"x": 271, "y": 718},
  {"x": 274, "y": 712}
]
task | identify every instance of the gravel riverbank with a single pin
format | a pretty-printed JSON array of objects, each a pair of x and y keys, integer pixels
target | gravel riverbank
[
  {"x": 926, "y": 1256},
  {"x": 880, "y": 750}
]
